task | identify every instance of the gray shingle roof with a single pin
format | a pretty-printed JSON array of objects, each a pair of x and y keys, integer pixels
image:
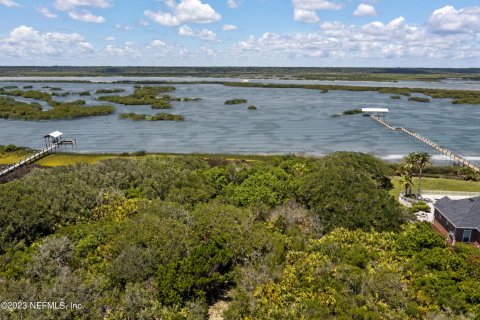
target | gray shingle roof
[{"x": 464, "y": 213}]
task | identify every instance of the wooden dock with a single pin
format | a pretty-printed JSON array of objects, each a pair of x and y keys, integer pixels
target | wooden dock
[
  {"x": 34, "y": 157},
  {"x": 455, "y": 157}
]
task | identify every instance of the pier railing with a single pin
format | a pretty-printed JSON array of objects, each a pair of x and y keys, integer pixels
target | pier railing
[{"x": 455, "y": 157}]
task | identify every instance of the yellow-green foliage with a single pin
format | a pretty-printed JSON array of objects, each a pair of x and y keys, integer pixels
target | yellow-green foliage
[
  {"x": 115, "y": 207},
  {"x": 370, "y": 275}
]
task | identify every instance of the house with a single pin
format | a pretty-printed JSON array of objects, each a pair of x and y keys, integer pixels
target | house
[{"x": 460, "y": 218}]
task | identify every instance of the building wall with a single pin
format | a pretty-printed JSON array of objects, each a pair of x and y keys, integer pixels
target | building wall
[
  {"x": 458, "y": 232},
  {"x": 443, "y": 221},
  {"x": 476, "y": 236}
]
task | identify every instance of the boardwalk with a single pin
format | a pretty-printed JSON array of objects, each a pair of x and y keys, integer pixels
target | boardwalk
[
  {"x": 455, "y": 157},
  {"x": 51, "y": 147}
]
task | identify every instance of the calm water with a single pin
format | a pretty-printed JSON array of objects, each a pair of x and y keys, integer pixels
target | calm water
[{"x": 287, "y": 121}]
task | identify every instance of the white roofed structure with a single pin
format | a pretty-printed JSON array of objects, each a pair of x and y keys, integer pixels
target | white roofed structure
[
  {"x": 375, "y": 110},
  {"x": 54, "y": 134}
]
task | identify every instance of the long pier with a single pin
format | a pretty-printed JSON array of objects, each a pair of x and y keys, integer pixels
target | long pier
[
  {"x": 455, "y": 157},
  {"x": 35, "y": 157}
]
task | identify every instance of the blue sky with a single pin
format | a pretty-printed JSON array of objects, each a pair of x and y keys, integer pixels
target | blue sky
[{"x": 319, "y": 33}]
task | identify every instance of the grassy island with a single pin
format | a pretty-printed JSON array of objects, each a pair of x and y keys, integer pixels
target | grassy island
[
  {"x": 252, "y": 107},
  {"x": 16, "y": 110},
  {"x": 155, "y": 117},
  {"x": 144, "y": 96},
  {"x": 116, "y": 90},
  {"x": 236, "y": 101},
  {"x": 182, "y": 99},
  {"x": 418, "y": 99}
]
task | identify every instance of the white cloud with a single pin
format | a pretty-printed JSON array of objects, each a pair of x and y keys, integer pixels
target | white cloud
[
  {"x": 234, "y": 4},
  {"x": 86, "y": 16},
  {"x": 365, "y": 10},
  {"x": 316, "y": 5},
  {"x": 158, "y": 43},
  {"x": 193, "y": 11},
  {"x": 110, "y": 38},
  {"x": 46, "y": 13},
  {"x": 165, "y": 19},
  {"x": 70, "y": 6},
  {"x": 393, "y": 43},
  {"x": 450, "y": 20},
  {"x": 304, "y": 10},
  {"x": 303, "y": 15},
  {"x": 229, "y": 27},
  {"x": 9, "y": 3},
  {"x": 67, "y": 5},
  {"x": 203, "y": 34},
  {"x": 25, "y": 42}
]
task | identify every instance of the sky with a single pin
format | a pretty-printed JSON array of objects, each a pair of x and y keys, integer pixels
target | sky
[{"x": 309, "y": 33}]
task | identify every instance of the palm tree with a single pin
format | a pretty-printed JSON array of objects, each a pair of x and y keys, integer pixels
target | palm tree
[
  {"x": 422, "y": 159},
  {"x": 406, "y": 182},
  {"x": 406, "y": 172}
]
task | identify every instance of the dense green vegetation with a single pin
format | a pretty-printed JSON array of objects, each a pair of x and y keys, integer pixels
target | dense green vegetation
[
  {"x": 12, "y": 109},
  {"x": 155, "y": 117},
  {"x": 457, "y": 96},
  {"x": 116, "y": 90},
  {"x": 252, "y": 107},
  {"x": 236, "y": 101},
  {"x": 144, "y": 96},
  {"x": 165, "y": 237},
  {"x": 418, "y": 99}
]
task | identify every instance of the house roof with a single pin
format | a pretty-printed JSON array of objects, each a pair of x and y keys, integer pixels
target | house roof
[{"x": 464, "y": 213}]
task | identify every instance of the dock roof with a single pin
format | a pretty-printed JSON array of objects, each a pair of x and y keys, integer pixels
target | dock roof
[
  {"x": 54, "y": 134},
  {"x": 385, "y": 110}
]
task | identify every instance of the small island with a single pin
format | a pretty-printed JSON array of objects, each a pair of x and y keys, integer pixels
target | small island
[
  {"x": 155, "y": 117},
  {"x": 117, "y": 90},
  {"x": 144, "y": 96},
  {"x": 236, "y": 101},
  {"x": 419, "y": 99},
  {"x": 252, "y": 107}
]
